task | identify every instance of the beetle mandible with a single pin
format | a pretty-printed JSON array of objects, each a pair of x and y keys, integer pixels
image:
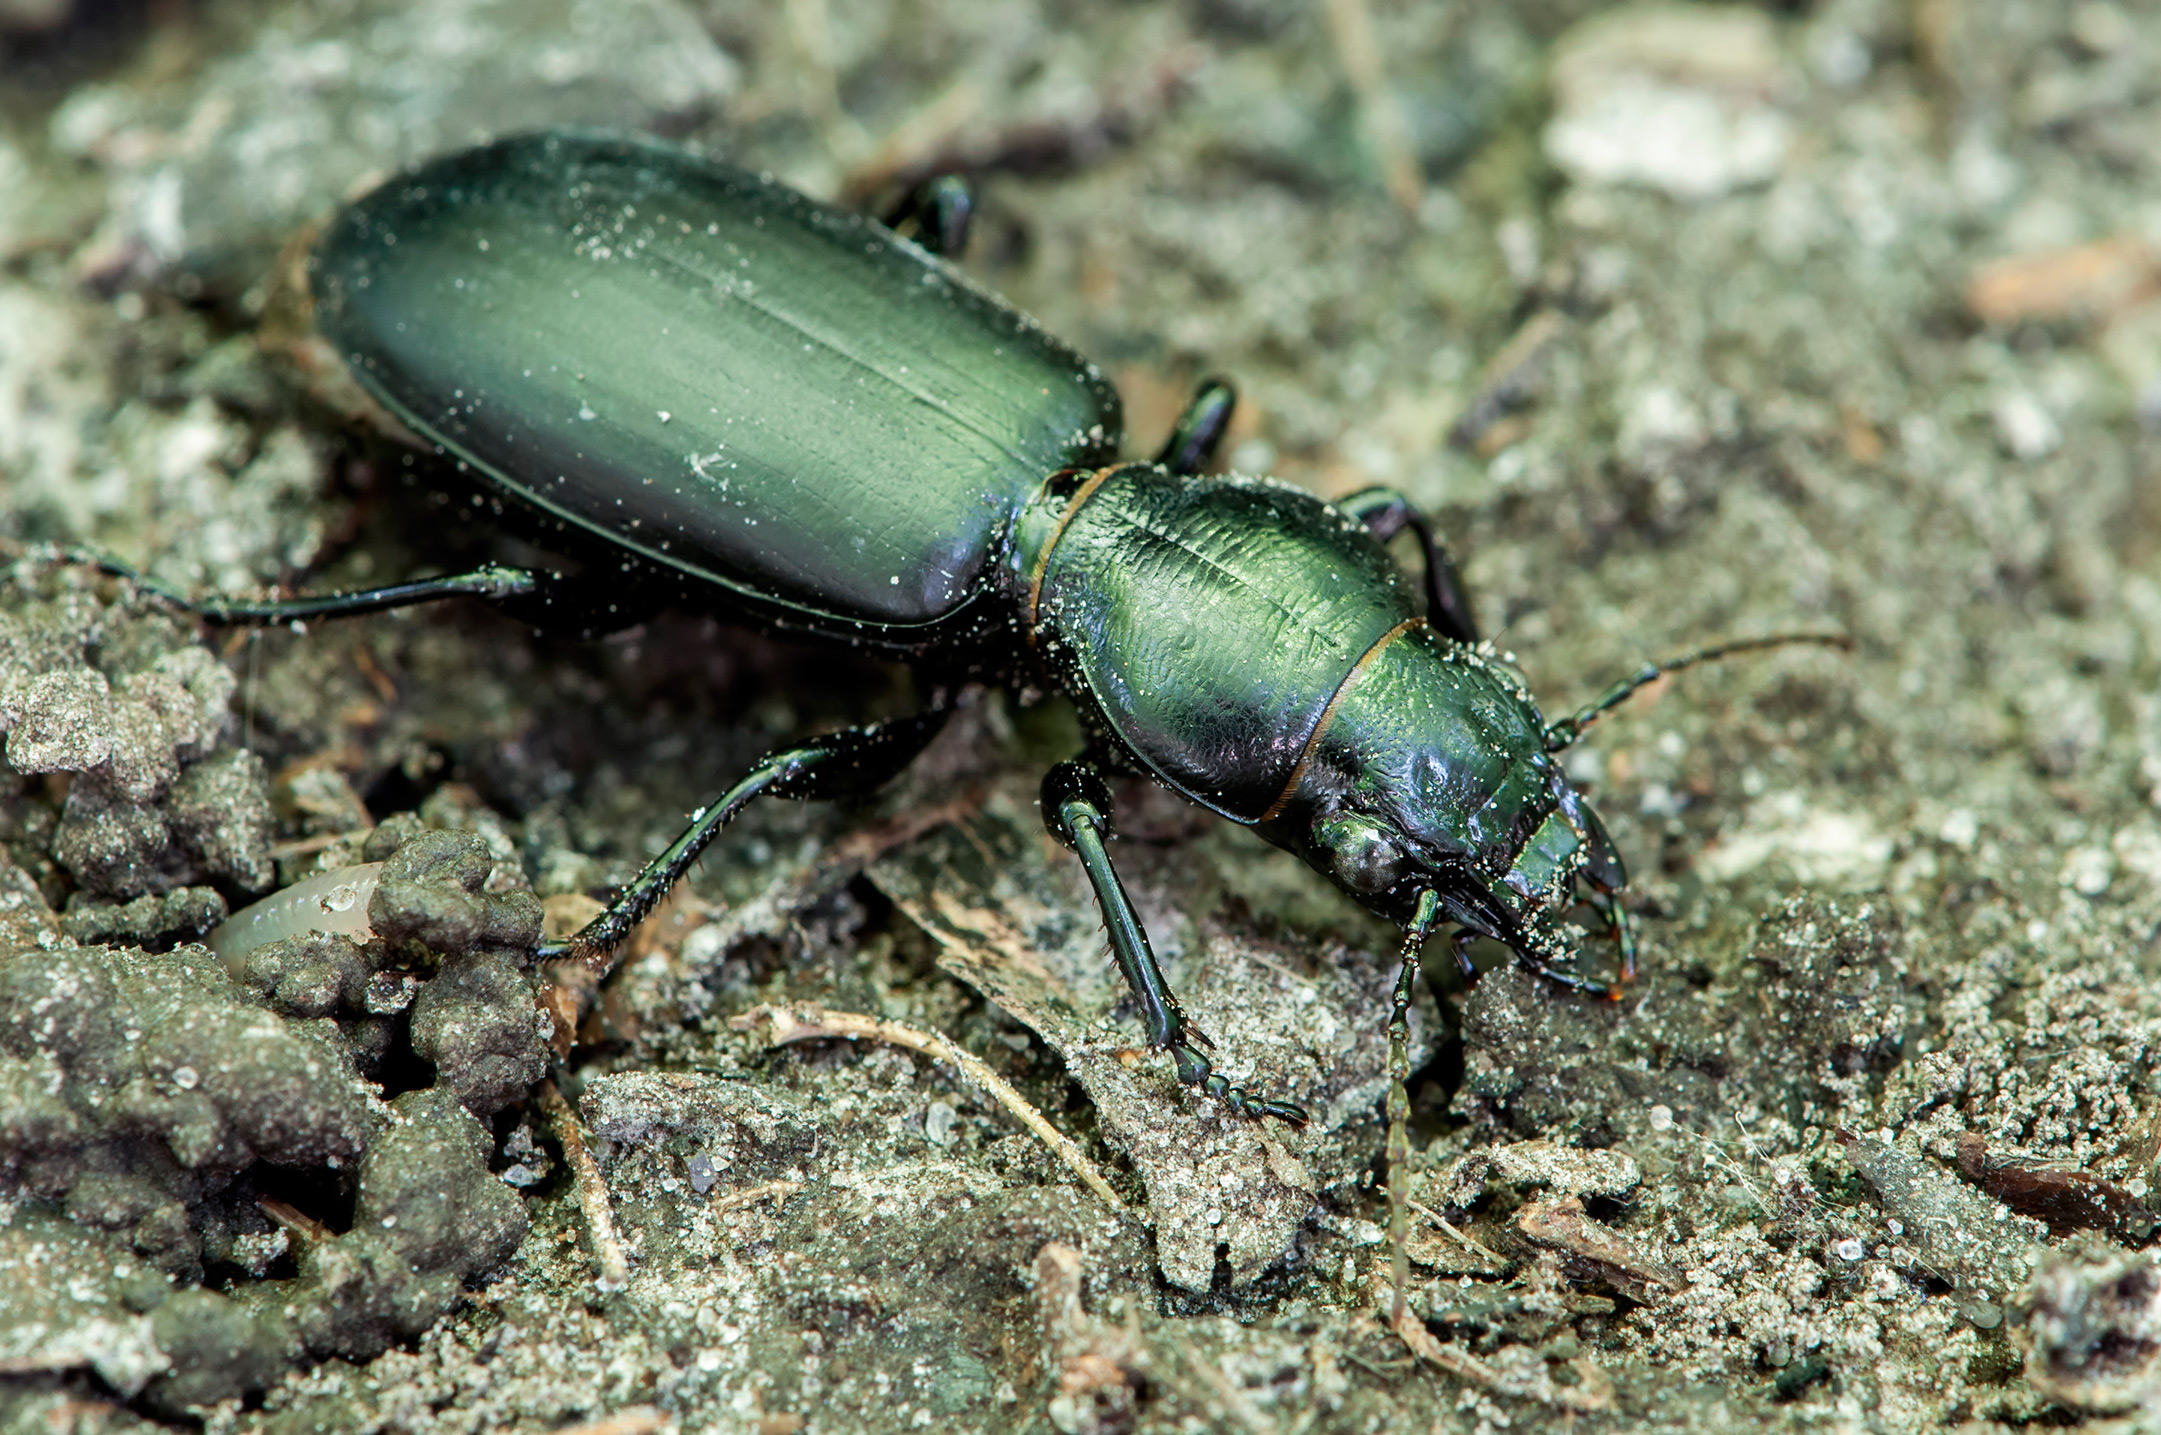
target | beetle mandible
[{"x": 828, "y": 432}]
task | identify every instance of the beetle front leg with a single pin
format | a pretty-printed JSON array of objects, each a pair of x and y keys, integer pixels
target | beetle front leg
[
  {"x": 1387, "y": 512},
  {"x": 1199, "y": 432},
  {"x": 936, "y": 214},
  {"x": 1619, "y": 928},
  {"x": 1076, "y": 808},
  {"x": 840, "y": 764}
]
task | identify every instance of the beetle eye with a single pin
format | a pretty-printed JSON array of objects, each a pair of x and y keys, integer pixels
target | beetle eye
[{"x": 1362, "y": 857}]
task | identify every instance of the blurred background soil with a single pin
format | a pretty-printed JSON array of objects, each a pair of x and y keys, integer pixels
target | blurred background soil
[{"x": 1686, "y": 322}]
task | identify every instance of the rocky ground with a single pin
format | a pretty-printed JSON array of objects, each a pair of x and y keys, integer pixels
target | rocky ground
[{"x": 1685, "y": 322}]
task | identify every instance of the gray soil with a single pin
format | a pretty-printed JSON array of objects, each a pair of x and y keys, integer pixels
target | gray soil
[{"x": 1685, "y": 323}]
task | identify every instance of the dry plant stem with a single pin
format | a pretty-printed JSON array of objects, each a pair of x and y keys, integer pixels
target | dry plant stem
[
  {"x": 592, "y": 1189},
  {"x": 1457, "y": 1236},
  {"x": 778, "y": 1190},
  {"x": 1413, "y": 1333},
  {"x": 638, "y": 1420},
  {"x": 810, "y": 1023},
  {"x": 1351, "y": 24}
]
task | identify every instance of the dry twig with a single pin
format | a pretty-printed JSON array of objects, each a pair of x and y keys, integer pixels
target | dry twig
[
  {"x": 810, "y": 1023},
  {"x": 637, "y": 1420},
  {"x": 778, "y": 1190},
  {"x": 592, "y": 1189}
]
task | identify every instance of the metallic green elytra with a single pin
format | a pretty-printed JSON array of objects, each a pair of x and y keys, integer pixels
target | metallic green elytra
[
  {"x": 777, "y": 398},
  {"x": 825, "y": 429}
]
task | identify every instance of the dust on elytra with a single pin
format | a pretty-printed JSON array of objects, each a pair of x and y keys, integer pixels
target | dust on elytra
[{"x": 1866, "y": 341}]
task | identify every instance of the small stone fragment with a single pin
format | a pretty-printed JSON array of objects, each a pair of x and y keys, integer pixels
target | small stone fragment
[
  {"x": 180, "y": 915},
  {"x": 2095, "y": 1330},
  {"x": 1956, "y": 1230},
  {"x": 1594, "y": 1251},
  {"x": 1670, "y": 97},
  {"x": 2067, "y": 1200}
]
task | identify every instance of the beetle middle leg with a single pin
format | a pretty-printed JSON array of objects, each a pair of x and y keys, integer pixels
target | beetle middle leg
[
  {"x": 1387, "y": 512},
  {"x": 1076, "y": 808},
  {"x": 840, "y": 764}
]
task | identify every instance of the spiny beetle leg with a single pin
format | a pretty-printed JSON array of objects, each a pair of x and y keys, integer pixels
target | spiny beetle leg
[
  {"x": 839, "y": 764},
  {"x": 1076, "y": 809},
  {"x": 936, "y": 214},
  {"x": 1199, "y": 431},
  {"x": 1387, "y": 512},
  {"x": 493, "y": 583}
]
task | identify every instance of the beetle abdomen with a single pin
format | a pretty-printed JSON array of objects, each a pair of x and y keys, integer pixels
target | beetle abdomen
[
  {"x": 1209, "y": 621},
  {"x": 709, "y": 368}
]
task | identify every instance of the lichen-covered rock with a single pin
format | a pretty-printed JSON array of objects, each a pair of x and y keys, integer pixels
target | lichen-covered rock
[
  {"x": 219, "y": 1348},
  {"x": 431, "y": 892},
  {"x": 430, "y": 1216},
  {"x": 160, "y": 1056},
  {"x": 182, "y": 914},
  {"x": 479, "y": 1024},
  {"x": 2094, "y": 1337}
]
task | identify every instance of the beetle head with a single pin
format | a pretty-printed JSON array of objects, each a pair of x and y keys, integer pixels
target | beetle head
[{"x": 1432, "y": 773}]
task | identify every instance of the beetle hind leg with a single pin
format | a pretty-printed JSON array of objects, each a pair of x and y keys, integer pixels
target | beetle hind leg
[{"x": 839, "y": 764}]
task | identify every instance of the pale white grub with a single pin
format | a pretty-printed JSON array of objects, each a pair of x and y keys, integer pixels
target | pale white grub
[{"x": 334, "y": 901}]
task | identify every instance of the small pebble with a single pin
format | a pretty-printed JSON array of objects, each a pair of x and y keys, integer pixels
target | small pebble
[{"x": 938, "y": 1124}]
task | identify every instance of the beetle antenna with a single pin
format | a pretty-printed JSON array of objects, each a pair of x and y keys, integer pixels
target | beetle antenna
[
  {"x": 1423, "y": 920},
  {"x": 1563, "y": 733}
]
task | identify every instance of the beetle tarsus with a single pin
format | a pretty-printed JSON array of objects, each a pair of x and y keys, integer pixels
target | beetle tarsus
[
  {"x": 1196, "y": 1070},
  {"x": 936, "y": 215}
]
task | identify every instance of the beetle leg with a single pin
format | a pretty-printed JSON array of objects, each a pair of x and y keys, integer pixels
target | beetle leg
[
  {"x": 1619, "y": 929},
  {"x": 1387, "y": 512},
  {"x": 493, "y": 583},
  {"x": 840, "y": 764},
  {"x": 1589, "y": 986},
  {"x": 1076, "y": 809},
  {"x": 935, "y": 214},
  {"x": 1460, "y": 945},
  {"x": 1199, "y": 431}
]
